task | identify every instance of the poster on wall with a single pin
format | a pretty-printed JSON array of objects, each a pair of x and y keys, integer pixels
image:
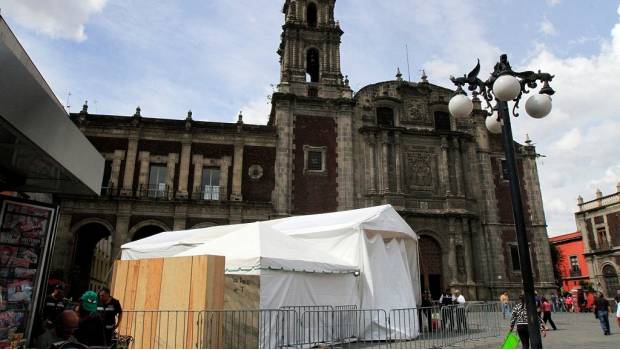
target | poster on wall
[{"x": 26, "y": 237}]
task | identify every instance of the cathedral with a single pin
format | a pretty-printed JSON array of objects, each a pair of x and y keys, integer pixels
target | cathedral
[{"x": 325, "y": 148}]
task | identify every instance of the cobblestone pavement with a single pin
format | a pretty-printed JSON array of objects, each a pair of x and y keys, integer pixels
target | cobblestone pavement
[{"x": 575, "y": 330}]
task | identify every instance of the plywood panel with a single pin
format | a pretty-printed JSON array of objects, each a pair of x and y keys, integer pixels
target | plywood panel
[{"x": 165, "y": 299}]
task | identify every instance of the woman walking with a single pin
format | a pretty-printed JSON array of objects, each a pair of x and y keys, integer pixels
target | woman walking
[
  {"x": 546, "y": 306},
  {"x": 519, "y": 318},
  {"x": 569, "y": 303}
]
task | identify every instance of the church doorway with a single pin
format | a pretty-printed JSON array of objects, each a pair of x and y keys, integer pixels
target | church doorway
[{"x": 430, "y": 266}]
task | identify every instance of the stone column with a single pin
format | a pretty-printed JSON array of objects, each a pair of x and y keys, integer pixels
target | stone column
[
  {"x": 370, "y": 165},
  {"x": 385, "y": 146},
  {"x": 466, "y": 237},
  {"x": 284, "y": 159},
  {"x": 180, "y": 217},
  {"x": 120, "y": 234},
  {"x": 444, "y": 170},
  {"x": 344, "y": 160},
  {"x": 117, "y": 159},
  {"x": 398, "y": 161},
  {"x": 237, "y": 173},
  {"x": 197, "y": 160},
  {"x": 186, "y": 152},
  {"x": 143, "y": 177},
  {"x": 458, "y": 174},
  {"x": 171, "y": 165},
  {"x": 63, "y": 248},
  {"x": 130, "y": 164},
  {"x": 224, "y": 165}
]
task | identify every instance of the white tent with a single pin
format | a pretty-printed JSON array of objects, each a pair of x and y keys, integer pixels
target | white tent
[{"x": 311, "y": 260}]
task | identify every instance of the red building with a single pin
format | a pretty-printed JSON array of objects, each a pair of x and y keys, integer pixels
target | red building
[{"x": 572, "y": 264}]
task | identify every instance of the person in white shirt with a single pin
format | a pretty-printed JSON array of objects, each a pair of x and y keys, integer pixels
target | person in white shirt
[
  {"x": 447, "y": 310},
  {"x": 461, "y": 317}
]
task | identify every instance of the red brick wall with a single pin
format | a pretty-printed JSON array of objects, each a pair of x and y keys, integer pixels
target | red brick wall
[
  {"x": 503, "y": 196},
  {"x": 258, "y": 189},
  {"x": 314, "y": 193},
  {"x": 566, "y": 249},
  {"x": 613, "y": 223}
]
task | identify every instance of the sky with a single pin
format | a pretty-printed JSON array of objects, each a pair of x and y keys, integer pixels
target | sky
[{"x": 218, "y": 57}]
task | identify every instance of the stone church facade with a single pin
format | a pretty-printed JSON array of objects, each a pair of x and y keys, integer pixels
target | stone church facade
[{"x": 325, "y": 148}]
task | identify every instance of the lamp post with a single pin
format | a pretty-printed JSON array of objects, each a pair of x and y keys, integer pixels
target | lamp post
[{"x": 502, "y": 86}]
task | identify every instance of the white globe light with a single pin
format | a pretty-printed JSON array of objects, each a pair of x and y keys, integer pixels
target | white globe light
[
  {"x": 538, "y": 106},
  {"x": 506, "y": 88},
  {"x": 493, "y": 125},
  {"x": 460, "y": 106}
]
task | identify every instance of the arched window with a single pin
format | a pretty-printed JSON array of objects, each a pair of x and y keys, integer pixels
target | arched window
[
  {"x": 611, "y": 280},
  {"x": 311, "y": 15},
  {"x": 442, "y": 121},
  {"x": 313, "y": 65},
  {"x": 385, "y": 116}
]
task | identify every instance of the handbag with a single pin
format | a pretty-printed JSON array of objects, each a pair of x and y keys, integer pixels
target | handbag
[{"x": 511, "y": 341}]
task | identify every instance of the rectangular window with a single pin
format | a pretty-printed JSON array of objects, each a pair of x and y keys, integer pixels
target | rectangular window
[
  {"x": 157, "y": 181},
  {"x": 107, "y": 175},
  {"x": 505, "y": 170},
  {"x": 602, "y": 238},
  {"x": 210, "y": 184},
  {"x": 574, "y": 266},
  {"x": 315, "y": 160},
  {"x": 514, "y": 255}
]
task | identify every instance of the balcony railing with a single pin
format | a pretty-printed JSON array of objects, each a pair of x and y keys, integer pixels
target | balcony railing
[{"x": 163, "y": 192}]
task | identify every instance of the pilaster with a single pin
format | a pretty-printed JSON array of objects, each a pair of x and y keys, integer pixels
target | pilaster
[
  {"x": 237, "y": 172},
  {"x": 171, "y": 165},
  {"x": 143, "y": 177},
  {"x": 345, "y": 161},
  {"x": 186, "y": 151},
  {"x": 130, "y": 164},
  {"x": 117, "y": 159}
]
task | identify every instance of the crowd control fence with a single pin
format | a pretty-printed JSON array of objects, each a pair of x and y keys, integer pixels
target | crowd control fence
[{"x": 325, "y": 326}]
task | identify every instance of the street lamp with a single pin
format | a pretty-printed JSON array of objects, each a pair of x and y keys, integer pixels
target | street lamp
[{"x": 502, "y": 86}]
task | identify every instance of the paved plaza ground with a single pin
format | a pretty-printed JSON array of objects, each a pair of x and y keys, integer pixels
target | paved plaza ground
[{"x": 575, "y": 330}]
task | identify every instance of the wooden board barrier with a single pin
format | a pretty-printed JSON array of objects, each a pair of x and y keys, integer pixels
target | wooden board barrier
[{"x": 165, "y": 299}]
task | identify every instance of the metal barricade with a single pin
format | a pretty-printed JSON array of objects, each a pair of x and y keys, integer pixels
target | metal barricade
[
  {"x": 163, "y": 329},
  {"x": 345, "y": 328}
]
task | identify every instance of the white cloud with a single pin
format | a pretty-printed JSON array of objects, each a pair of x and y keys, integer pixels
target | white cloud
[
  {"x": 64, "y": 19},
  {"x": 569, "y": 141},
  {"x": 554, "y": 2},
  {"x": 257, "y": 111},
  {"x": 547, "y": 27}
]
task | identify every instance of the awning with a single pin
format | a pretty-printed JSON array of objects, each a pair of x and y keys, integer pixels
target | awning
[{"x": 41, "y": 150}]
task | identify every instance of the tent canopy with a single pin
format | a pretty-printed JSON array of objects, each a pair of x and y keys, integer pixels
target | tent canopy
[{"x": 256, "y": 246}]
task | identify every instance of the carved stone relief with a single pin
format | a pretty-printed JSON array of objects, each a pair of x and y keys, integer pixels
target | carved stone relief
[
  {"x": 417, "y": 112},
  {"x": 419, "y": 169}
]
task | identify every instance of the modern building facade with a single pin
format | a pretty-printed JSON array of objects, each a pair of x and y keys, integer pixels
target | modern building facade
[
  {"x": 599, "y": 220},
  {"x": 572, "y": 263},
  {"x": 325, "y": 148}
]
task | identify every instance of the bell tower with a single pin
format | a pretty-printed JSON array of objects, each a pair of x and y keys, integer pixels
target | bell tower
[
  {"x": 310, "y": 50},
  {"x": 312, "y": 111}
]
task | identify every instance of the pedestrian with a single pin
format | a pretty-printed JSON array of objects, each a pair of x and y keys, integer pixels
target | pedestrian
[
  {"x": 91, "y": 330},
  {"x": 461, "y": 316},
  {"x": 65, "y": 324},
  {"x": 569, "y": 303},
  {"x": 602, "y": 309},
  {"x": 538, "y": 304},
  {"x": 617, "y": 299},
  {"x": 554, "y": 302},
  {"x": 504, "y": 299},
  {"x": 546, "y": 306},
  {"x": 54, "y": 305},
  {"x": 447, "y": 309},
  {"x": 519, "y": 319},
  {"x": 426, "y": 310},
  {"x": 110, "y": 309}
]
